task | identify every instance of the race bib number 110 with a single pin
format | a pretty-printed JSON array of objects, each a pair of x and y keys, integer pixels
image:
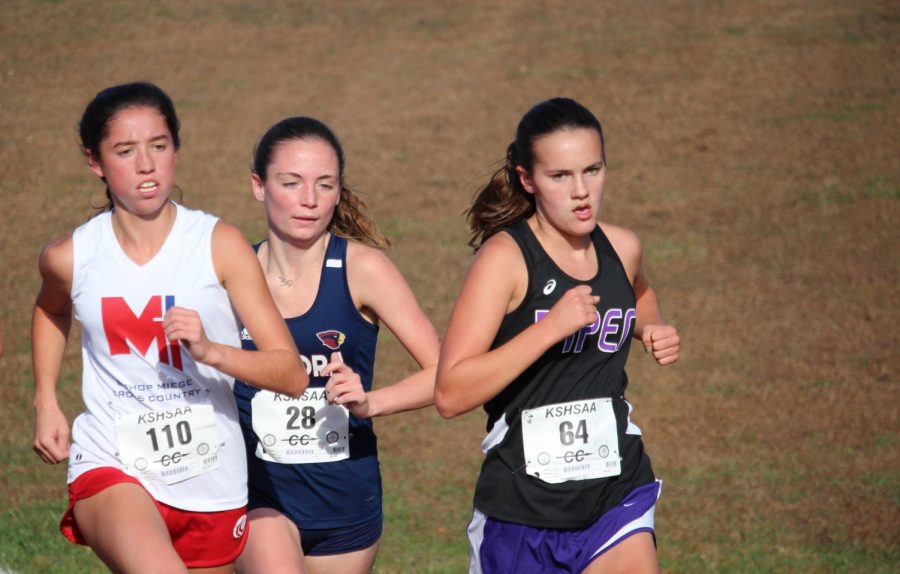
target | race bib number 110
[{"x": 171, "y": 445}]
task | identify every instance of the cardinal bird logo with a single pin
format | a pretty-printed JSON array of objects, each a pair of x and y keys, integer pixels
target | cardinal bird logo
[{"x": 331, "y": 339}]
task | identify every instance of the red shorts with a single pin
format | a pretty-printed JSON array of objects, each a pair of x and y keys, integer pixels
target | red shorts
[{"x": 201, "y": 539}]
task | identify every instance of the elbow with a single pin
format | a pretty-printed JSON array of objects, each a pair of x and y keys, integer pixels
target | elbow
[
  {"x": 299, "y": 381},
  {"x": 450, "y": 397},
  {"x": 446, "y": 406}
]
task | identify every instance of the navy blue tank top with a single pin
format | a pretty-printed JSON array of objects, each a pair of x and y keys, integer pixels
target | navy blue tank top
[
  {"x": 587, "y": 365},
  {"x": 333, "y": 494}
]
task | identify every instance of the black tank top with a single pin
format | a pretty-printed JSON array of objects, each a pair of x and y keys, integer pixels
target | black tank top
[{"x": 586, "y": 365}]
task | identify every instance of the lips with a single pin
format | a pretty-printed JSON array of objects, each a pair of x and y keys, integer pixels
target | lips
[
  {"x": 148, "y": 187},
  {"x": 583, "y": 212}
]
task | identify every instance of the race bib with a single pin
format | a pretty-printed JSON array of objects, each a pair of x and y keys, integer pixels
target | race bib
[
  {"x": 170, "y": 445},
  {"x": 300, "y": 431},
  {"x": 571, "y": 441}
]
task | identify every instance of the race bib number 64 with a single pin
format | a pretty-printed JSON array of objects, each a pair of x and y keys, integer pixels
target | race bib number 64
[{"x": 571, "y": 441}]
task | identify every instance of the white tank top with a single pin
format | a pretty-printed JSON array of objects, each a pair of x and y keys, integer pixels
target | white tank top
[{"x": 148, "y": 403}]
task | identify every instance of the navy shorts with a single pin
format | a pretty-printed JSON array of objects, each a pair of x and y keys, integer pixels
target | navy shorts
[
  {"x": 498, "y": 547},
  {"x": 330, "y": 541}
]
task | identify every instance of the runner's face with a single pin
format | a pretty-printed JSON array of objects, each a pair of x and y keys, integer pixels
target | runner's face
[
  {"x": 137, "y": 159},
  {"x": 301, "y": 190},
  {"x": 567, "y": 180}
]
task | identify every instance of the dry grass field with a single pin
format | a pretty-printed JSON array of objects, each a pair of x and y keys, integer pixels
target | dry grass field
[{"x": 754, "y": 146}]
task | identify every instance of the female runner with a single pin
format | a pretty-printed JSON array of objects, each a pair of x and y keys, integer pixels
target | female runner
[
  {"x": 157, "y": 469},
  {"x": 315, "y": 484},
  {"x": 539, "y": 336}
]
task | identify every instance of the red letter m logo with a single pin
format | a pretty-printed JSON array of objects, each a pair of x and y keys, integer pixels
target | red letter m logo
[{"x": 122, "y": 326}]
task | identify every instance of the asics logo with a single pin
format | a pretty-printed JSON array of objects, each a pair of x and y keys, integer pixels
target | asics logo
[{"x": 550, "y": 286}]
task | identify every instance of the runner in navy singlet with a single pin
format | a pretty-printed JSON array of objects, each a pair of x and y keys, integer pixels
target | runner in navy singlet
[
  {"x": 315, "y": 484},
  {"x": 539, "y": 336}
]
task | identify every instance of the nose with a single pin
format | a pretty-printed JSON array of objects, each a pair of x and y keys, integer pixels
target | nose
[
  {"x": 145, "y": 162},
  {"x": 308, "y": 197},
  {"x": 579, "y": 189}
]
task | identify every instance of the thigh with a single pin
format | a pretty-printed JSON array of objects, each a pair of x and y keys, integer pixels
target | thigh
[
  {"x": 273, "y": 545},
  {"x": 634, "y": 554},
  {"x": 123, "y": 526},
  {"x": 227, "y": 569},
  {"x": 356, "y": 562}
]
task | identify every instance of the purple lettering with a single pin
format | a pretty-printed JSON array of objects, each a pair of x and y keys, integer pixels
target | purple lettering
[{"x": 609, "y": 328}]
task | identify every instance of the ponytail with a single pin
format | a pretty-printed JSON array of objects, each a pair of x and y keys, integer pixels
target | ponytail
[
  {"x": 351, "y": 220},
  {"x": 500, "y": 203}
]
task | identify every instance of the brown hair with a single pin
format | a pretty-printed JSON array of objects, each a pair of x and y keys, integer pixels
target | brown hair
[
  {"x": 503, "y": 201},
  {"x": 94, "y": 125}
]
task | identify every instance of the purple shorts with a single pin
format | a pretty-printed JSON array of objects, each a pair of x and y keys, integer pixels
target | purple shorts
[{"x": 498, "y": 547}]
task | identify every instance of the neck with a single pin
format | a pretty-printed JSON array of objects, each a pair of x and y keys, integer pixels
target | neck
[
  {"x": 286, "y": 264},
  {"x": 143, "y": 233},
  {"x": 550, "y": 236}
]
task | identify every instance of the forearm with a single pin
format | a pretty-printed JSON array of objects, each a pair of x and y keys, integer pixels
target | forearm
[
  {"x": 49, "y": 334},
  {"x": 277, "y": 370},
  {"x": 413, "y": 392},
  {"x": 647, "y": 312}
]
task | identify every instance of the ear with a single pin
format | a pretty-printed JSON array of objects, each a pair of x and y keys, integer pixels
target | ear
[
  {"x": 525, "y": 179},
  {"x": 93, "y": 163},
  {"x": 259, "y": 188}
]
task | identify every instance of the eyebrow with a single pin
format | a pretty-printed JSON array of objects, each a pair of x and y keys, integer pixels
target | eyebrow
[
  {"x": 597, "y": 165},
  {"x": 132, "y": 142},
  {"x": 298, "y": 176}
]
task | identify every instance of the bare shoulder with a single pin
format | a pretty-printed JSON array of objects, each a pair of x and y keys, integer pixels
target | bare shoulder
[
  {"x": 231, "y": 253},
  {"x": 499, "y": 269},
  {"x": 621, "y": 237},
  {"x": 57, "y": 267},
  {"x": 627, "y": 246},
  {"x": 227, "y": 233},
  {"x": 56, "y": 259},
  {"x": 367, "y": 261},
  {"x": 376, "y": 285},
  {"x": 500, "y": 250}
]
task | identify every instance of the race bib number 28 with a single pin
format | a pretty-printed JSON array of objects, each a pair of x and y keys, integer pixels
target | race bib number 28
[
  {"x": 300, "y": 431},
  {"x": 571, "y": 441},
  {"x": 171, "y": 445}
]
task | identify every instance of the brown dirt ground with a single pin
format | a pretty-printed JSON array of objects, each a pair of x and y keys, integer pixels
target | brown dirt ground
[{"x": 753, "y": 147}]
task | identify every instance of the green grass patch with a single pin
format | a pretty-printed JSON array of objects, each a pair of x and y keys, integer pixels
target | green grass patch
[
  {"x": 32, "y": 543},
  {"x": 425, "y": 525},
  {"x": 688, "y": 247},
  {"x": 763, "y": 552},
  {"x": 399, "y": 228},
  {"x": 842, "y": 194},
  {"x": 843, "y": 114},
  {"x": 882, "y": 187},
  {"x": 721, "y": 390},
  {"x": 887, "y": 480},
  {"x": 884, "y": 442},
  {"x": 736, "y": 30}
]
